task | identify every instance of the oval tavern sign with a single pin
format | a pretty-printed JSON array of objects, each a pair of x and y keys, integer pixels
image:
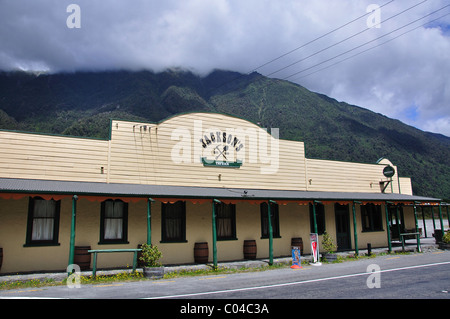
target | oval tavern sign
[{"x": 388, "y": 171}]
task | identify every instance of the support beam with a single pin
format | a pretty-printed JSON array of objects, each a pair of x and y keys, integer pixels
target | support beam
[
  {"x": 72, "y": 231},
  {"x": 269, "y": 213},
  {"x": 448, "y": 217},
  {"x": 440, "y": 219},
  {"x": 355, "y": 230},
  {"x": 388, "y": 227},
  {"x": 417, "y": 229},
  {"x": 314, "y": 216},
  {"x": 149, "y": 221},
  {"x": 214, "y": 232},
  {"x": 424, "y": 223}
]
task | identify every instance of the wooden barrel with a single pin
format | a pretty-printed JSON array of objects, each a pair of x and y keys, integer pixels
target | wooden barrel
[
  {"x": 201, "y": 253},
  {"x": 82, "y": 258},
  {"x": 1, "y": 258},
  {"x": 297, "y": 242},
  {"x": 249, "y": 249}
]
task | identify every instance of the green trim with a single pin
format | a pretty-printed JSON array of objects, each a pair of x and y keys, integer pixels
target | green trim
[
  {"x": 225, "y": 164},
  {"x": 72, "y": 231},
  {"x": 35, "y": 192}
]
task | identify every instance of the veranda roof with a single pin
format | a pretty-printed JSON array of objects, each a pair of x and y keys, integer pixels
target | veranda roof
[{"x": 23, "y": 187}]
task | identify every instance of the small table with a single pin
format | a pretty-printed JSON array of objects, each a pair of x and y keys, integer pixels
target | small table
[
  {"x": 96, "y": 251},
  {"x": 417, "y": 237}
]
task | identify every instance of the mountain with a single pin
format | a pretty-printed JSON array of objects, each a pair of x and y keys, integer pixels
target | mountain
[{"x": 82, "y": 103}]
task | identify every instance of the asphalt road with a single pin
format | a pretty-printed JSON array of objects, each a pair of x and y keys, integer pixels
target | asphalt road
[{"x": 421, "y": 276}]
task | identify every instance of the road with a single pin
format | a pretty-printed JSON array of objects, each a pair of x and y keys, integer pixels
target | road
[{"x": 424, "y": 276}]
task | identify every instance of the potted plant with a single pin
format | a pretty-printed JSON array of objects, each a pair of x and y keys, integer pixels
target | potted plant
[
  {"x": 330, "y": 247},
  {"x": 445, "y": 243},
  {"x": 150, "y": 257}
]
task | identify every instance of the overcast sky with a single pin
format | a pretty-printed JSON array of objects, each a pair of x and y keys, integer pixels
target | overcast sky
[{"x": 403, "y": 76}]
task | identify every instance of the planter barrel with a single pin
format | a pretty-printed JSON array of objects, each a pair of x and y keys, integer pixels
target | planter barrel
[
  {"x": 297, "y": 242},
  {"x": 201, "y": 253},
  {"x": 153, "y": 272},
  {"x": 249, "y": 249},
  {"x": 82, "y": 258},
  {"x": 438, "y": 235},
  {"x": 330, "y": 257}
]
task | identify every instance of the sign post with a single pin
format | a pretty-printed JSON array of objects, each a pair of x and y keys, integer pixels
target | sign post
[{"x": 314, "y": 238}]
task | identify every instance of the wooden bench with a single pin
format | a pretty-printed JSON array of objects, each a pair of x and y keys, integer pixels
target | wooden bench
[{"x": 96, "y": 251}]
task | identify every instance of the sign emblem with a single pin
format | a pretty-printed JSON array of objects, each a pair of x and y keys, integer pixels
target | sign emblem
[{"x": 224, "y": 148}]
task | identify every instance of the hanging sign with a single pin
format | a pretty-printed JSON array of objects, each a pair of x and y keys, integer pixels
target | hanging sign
[
  {"x": 389, "y": 171},
  {"x": 296, "y": 262},
  {"x": 314, "y": 238}
]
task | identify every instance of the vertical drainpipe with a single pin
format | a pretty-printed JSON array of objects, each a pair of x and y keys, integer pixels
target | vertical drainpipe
[
  {"x": 355, "y": 232},
  {"x": 149, "y": 221},
  {"x": 72, "y": 230},
  {"x": 269, "y": 213},
  {"x": 214, "y": 232},
  {"x": 388, "y": 227}
]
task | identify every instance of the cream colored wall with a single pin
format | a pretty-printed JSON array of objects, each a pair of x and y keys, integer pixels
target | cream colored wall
[
  {"x": 169, "y": 154},
  {"x": 405, "y": 186},
  {"x": 323, "y": 175},
  {"x": 294, "y": 222},
  {"x": 13, "y": 230},
  {"x": 37, "y": 156}
]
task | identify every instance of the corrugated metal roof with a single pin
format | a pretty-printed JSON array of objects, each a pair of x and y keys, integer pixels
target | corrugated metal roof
[{"x": 13, "y": 185}]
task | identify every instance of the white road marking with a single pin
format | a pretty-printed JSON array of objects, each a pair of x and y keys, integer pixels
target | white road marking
[{"x": 294, "y": 283}]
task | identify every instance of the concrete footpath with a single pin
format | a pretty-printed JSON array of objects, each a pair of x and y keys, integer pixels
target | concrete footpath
[{"x": 427, "y": 244}]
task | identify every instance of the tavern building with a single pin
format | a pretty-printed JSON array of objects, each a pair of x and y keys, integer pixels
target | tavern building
[{"x": 193, "y": 178}]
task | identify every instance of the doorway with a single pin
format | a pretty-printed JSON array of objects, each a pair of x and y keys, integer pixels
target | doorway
[{"x": 343, "y": 239}]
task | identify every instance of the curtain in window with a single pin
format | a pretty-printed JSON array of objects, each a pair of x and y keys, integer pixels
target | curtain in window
[
  {"x": 173, "y": 221},
  {"x": 114, "y": 219},
  {"x": 43, "y": 219},
  {"x": 224, "y": 221}
]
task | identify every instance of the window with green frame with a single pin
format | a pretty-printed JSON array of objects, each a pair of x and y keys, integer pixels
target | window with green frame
[
  {"x": 114, "y": 222},
  {"x": 173, "y": 222},
  {"x": 320, "y": 218},
  {"x": 371, "y": 218},
  {"x": 43, "y": 222},
  {"x": 265, "y": 220},
  {"x": 225, "y": 221}
]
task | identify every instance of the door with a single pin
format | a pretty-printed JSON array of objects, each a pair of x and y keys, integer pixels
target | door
[{"x": 343, "y": 239}]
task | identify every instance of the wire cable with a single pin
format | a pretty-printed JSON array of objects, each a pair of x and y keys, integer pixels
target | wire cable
[
  {"x": 316, "y": 39},
  {"x": 344, "y": 40},
  {"x": 364, "y": 44},
  {"x": 371, "y": 48}
]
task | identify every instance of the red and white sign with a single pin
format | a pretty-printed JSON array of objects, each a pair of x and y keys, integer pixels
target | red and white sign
[{"x": 314, "y": 246}]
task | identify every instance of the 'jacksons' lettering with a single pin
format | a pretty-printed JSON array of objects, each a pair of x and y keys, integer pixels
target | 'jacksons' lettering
[{"x": 222, "y": 138}]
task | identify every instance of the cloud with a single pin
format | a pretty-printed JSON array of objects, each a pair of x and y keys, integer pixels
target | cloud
[{"x": 408, "y": 72}]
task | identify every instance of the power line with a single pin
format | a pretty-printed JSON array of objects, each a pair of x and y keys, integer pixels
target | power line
[
  {"x": 297, "y": 48},
  {"x": 364, "y": 44},
  {"x": 371, "y": 48},
  {"x": 316, "y": 39},
  {"x": 342, "y": 41}
]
